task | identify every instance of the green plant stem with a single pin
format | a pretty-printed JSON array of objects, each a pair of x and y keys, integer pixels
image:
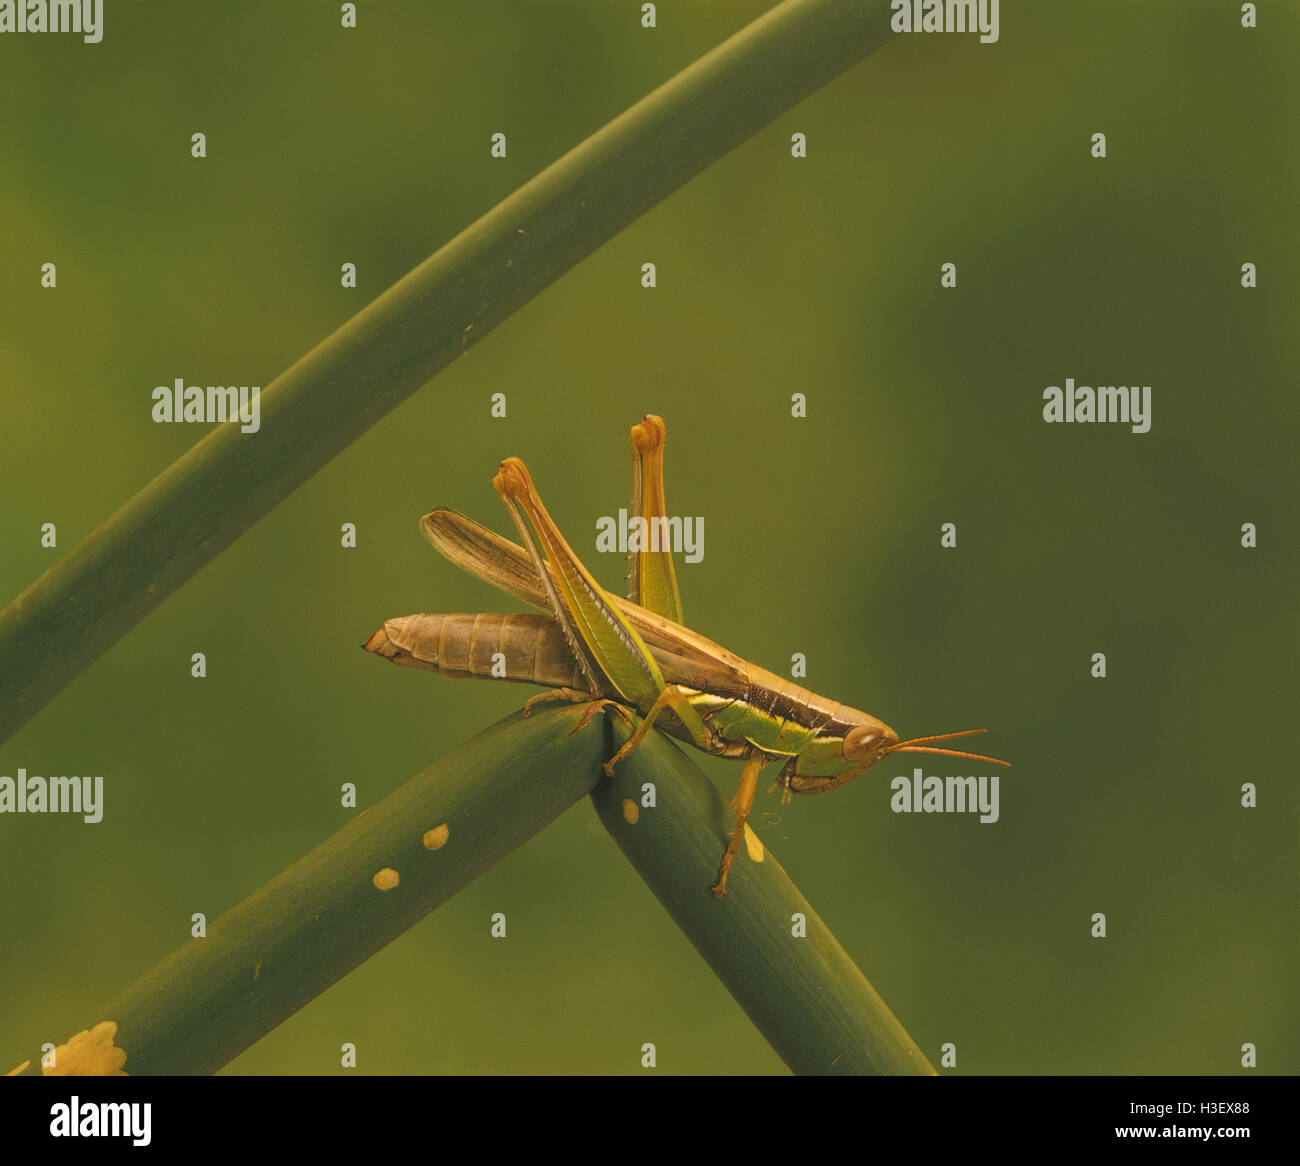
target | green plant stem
[
  {"x": 197, "y": 507},
  {"x": 309, "y": 926},
  {"x": 805, "y": 994}
]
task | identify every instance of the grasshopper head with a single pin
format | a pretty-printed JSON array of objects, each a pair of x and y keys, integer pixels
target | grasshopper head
[
  {"x": 866, "y": 744},
  {"x": 862, "y": 746}
]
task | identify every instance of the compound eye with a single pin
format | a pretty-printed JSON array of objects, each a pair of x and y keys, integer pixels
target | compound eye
[{"x": 862, "y": 741}]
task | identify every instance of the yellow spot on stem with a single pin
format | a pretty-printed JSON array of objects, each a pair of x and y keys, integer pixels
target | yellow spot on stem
[
  {"x": 89, "y": 1054},
  {"x": 15, "y": 1072},
  {"x": 631, "y": 811},
  {"x": 753, "y": 845},
  {"x": 436, "y": 838},
  {"x": 386, "y": 879}
]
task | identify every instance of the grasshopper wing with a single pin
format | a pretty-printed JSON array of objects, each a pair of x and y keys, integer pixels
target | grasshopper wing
[
  {"x": 484, "y": 553},
  {"x": 689, "y": 657}
]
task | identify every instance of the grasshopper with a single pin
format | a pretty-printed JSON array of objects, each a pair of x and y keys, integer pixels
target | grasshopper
[{"x": 591, "y": 646}]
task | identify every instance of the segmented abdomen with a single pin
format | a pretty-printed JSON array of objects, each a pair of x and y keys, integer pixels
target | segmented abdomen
[{"x": 524, "y": 647}]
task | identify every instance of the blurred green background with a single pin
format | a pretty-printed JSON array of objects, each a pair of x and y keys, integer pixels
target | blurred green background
[{"x": 818, "y": 276}]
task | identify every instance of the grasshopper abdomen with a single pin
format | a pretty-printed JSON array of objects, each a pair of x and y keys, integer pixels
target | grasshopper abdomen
[{"x": 523, "y": 647}]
